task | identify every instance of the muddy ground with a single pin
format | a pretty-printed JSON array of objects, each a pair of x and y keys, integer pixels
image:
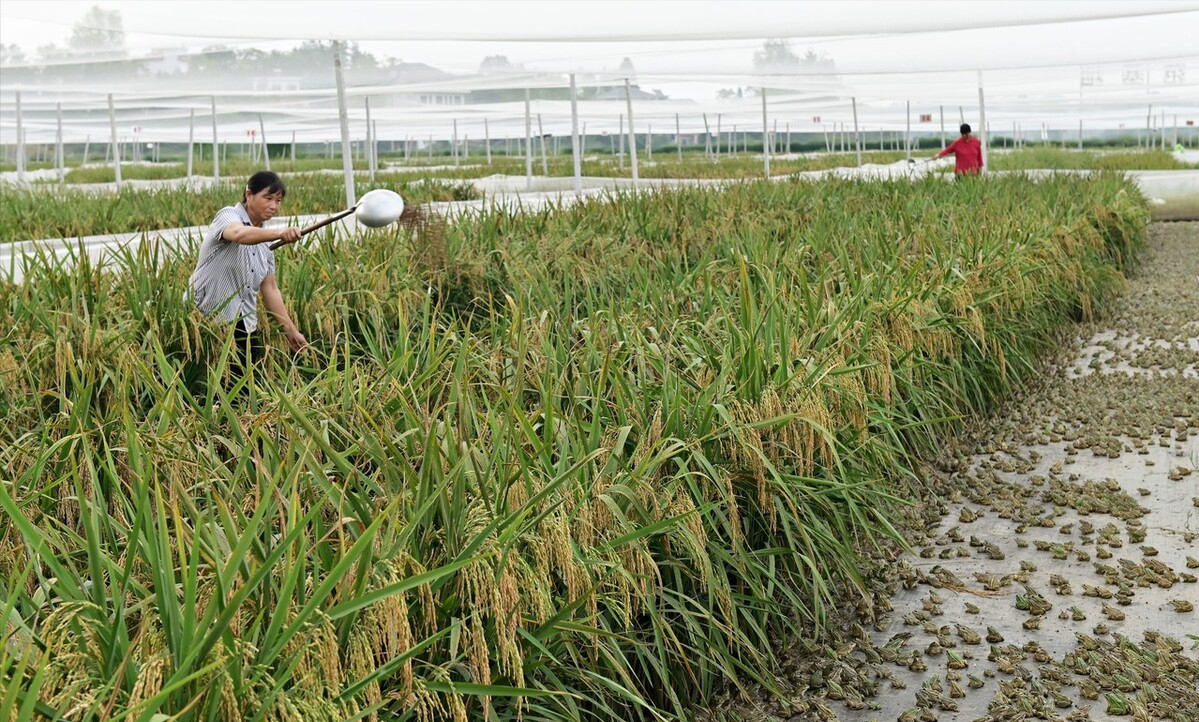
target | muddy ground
[{"x": 1054, "y": 556}]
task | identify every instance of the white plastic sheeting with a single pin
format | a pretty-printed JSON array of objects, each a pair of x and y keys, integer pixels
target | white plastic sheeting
[{"x": 1046, "y": 65}]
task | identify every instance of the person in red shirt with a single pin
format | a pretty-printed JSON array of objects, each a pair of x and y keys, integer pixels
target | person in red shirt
[{"x": 967, "y": 153}]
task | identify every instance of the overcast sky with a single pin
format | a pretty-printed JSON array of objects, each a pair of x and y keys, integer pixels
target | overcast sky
[
  {"x": 711, "y": 34},
  {"x": 688, "y": 49}
]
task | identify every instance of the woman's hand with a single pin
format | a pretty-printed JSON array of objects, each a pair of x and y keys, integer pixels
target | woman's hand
[
  {"x": 297, "y": 341},
  {"x": 287, "y": 235}
]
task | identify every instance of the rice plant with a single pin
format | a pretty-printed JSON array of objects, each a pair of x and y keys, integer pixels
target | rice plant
[{"x": 593, "y": 465}]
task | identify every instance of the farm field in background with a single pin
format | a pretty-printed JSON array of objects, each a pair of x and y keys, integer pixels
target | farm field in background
[{"x": 73, "y": 212}]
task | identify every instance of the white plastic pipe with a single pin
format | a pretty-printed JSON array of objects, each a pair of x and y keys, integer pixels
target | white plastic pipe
[
  {"x": 116, "y": 148},
  {"x": 576, "y": 145},
  {"x": 343, "y": 118}
]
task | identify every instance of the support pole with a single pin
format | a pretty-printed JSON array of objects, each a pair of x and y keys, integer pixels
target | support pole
[
  {"x": 628, "y": 96},
  {"x": 21, "y": 139},
  {"x": 718, "y": 136},
  {"x": 343, "y": 119},
  {"x": 486, "y": 140},
  {"x": 907, "y": 134},
  {"x": 576, "y": 144},
  {"x": 370, "y": 141},
  {"x": 116, "y": 148},
  {"x": 191, "y": 137},
  {"x": 620, "y": 140},
  {"x": 982, "y": 120},
  {"x": 1080, "y": 133},
  {"x": 765, "y": 133},
  {"x": 454, "y": 150},
  {"x": 216, "y": 150},
  {"x": 857, "y": 133},
  {"x": 293, "y": 149},
  {"x": 266, "y": 151},
  {"x": 545, "y": 162},
  {"x": 528, "y": 144},
  {"x": 58, "y": 151},
  {"x": 678, "y": 137},
  {"x": 707, "y": 138},
  {"x": 942, "y": 127}
]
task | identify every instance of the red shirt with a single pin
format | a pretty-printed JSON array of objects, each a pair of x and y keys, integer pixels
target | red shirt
[{"x": 967, "y": 155}]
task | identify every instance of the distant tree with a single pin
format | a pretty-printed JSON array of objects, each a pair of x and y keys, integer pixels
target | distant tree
[
  {"x": 775, "y": 54},
  {"x": 50, "y": 51},
  {"x": 495, "y": 64},
  {"x": 12, "y": 55},
  {"x": 98, "y": 32},
  {"x": 777, "y": 58},
  {"x": 212, "y": 59},
  {"x": 359, "y": 60},
  {"x": 626, "y": 69}
]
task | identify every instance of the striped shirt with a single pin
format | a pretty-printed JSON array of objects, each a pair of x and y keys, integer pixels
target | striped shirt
[{"x": 227, "y": 276}]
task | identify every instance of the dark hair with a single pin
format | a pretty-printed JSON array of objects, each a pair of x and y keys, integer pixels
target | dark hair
[
  {"x": 965, "y": 128},
  {"x": 265, "y": 180}
]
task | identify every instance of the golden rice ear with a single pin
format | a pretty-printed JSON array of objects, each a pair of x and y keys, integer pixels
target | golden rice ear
[{"x": 428, "y": 239}]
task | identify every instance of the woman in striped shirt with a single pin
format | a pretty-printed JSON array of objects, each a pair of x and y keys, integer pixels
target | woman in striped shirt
[{"x": 236, "y": 264}]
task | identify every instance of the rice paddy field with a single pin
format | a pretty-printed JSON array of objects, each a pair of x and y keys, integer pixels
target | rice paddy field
[
  {"x": 42, "y": 213},
  {"x": 588, "y": 463},
  {"x": 1061, "y": 159},
  {"x": 43, "y": 210}
]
